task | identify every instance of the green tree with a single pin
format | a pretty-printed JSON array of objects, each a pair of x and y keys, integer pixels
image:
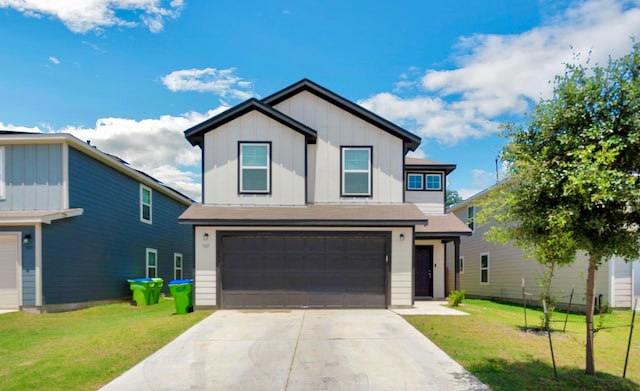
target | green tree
[
  {"x": 573, "y": 173},
  {"x": 452, "y": 198}
]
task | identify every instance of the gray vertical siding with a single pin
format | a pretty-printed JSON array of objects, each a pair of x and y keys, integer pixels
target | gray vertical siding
[
  {"x": 90, "y": 257},
  {"x": 33, "y": 177},
  {"x": 28, "y": 265}
]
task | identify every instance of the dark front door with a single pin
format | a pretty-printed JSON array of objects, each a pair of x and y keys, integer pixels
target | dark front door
[
  {"x": 293, "y": 270},
  {"x": 424, "y": 271}
]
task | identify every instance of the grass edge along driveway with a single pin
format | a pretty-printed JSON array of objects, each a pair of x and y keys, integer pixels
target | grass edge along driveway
[
  {"x": 491, "y": 344},
  {"x": 85, "y": 349}
]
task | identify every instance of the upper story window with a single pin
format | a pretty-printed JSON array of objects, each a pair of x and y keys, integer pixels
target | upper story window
[
  {"x": 255, "y": 168},
  {"x": 356, "y": 171},
  {"x": 424, "y": 181},
  {"x": 471, "y": 216},
  {"x": 433, "y": 181},
  {"x": 146, "y": 203},
  {"x": 2, "y": 176},
  {"x": 415, "y": 182}
]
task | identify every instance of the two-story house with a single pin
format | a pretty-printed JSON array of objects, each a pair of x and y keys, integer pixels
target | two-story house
[
  {"x": 76, "y": 223},
  {"x": 308, "y": 201},
  {"x": 497, "y": 271}
]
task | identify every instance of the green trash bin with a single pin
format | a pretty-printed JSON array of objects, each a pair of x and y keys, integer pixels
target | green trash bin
[
  {"x": 141, "y": 288},
  {"x": 154, "y": 290},
  {"x": 182, "y": 291}
]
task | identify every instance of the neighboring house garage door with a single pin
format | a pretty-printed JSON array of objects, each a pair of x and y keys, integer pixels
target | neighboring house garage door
[
  {"x": 9, "y": 253},
  {"x": 303, "y": 270}
]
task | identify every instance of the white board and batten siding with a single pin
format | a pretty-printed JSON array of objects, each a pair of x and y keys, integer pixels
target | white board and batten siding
[
  {"x": 337, "y": 128},
  {"x": 401, "y": 260},
  {"x": 287, "y": 162}
]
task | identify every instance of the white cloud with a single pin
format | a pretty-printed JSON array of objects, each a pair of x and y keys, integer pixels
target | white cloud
[
  {"x": 222, "y": 82},
  {"x": 482, "y": 178},
  {"x": 501, "y": 75},
  {"x": 54, "y": 60},
  {"x": 87, "y": 15}
]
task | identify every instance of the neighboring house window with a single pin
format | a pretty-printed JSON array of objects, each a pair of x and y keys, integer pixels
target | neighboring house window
[
  {"x": 471, "y": 216},
  {"x": 177, "y": 266},
  {"x": 356, "y": 171},
  {"x": 152, "y": 263},
  {"x": 2, "y": 180},
  {"x": 255, "y": 168},
  {"x": 415, "y": 181},
  {"x": 145, "y": 204},
  {"x": 433, "y": 181},
  {"x": 461, "y": 265},
  {"x": 484, "y": 268}
]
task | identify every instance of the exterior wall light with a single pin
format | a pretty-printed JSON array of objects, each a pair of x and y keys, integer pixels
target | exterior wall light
[
  {"x": 205, "y": 236},
  {"x": 401, "y": 237},
  {"x": 27, "y": 239}
]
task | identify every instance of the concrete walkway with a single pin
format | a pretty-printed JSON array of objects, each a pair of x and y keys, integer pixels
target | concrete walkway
[
  {"x": 429, "y": 307},
  {"x": 299, "y": 350}
]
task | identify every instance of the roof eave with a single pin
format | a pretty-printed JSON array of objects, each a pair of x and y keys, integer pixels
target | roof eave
[
  {"x": 195, "y": 134},
  {"x": 301, "y": 223}
]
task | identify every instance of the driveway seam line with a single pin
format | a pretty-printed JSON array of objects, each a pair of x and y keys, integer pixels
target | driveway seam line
[{"x": 295, "y": 351}]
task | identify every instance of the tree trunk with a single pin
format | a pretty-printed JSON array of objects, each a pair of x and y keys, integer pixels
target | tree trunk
[{"x": 591, "y": 285}]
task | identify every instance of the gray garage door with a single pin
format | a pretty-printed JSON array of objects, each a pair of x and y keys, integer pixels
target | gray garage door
[{"x": 291, "y": 270}]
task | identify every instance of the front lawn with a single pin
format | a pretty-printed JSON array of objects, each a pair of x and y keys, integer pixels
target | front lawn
[
  {"x": 492, "y": 345},
  {"x": 84, "y": 350}
]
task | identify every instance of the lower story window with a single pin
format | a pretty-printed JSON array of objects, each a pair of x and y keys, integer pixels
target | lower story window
[
  {"x": 152, "y": 263},
  {"x": 177, "y": 266},
  {"x": 484, "y": 268}
]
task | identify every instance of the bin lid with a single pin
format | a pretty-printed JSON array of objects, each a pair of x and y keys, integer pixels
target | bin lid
[
  {"x": 140, "y": 280},
  {"x": 185, "y": 281}
]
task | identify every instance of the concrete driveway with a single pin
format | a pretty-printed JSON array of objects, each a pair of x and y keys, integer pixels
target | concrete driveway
[{"x": 299, "y": 350}]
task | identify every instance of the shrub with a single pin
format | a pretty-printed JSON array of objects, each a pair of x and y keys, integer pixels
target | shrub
[{"x": 455, "y": 298}]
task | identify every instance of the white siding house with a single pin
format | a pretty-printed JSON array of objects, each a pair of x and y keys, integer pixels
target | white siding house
[{"x": 305, "y": 205}]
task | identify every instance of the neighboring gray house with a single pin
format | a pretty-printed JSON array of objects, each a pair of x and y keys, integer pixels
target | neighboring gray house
[
  {"x": 75, "y": 223},
  {"x": 492, "y": 270},
  {"x": 308, "y": 201}
]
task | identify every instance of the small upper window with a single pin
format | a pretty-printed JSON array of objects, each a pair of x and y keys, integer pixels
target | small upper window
[
  {"x": 415, "y": 181},
  {"x": 433, "y": 181},
  {"x": 471, "y": 215},
  {"x": 254, "y": 173},
  {"x": 356, "y": 171},
  {"x": 145, "y": 204}
]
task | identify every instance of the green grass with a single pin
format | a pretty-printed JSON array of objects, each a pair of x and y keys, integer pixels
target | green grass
[
  {"x": 84, "y": 350},
  {"x": 491, "y": 344}
]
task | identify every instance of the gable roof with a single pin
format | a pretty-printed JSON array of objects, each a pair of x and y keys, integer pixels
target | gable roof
[
  {"x": 196, "y": 133},
  {"x": 411, "y": 141},
  {"x": 421, "y": 164}
]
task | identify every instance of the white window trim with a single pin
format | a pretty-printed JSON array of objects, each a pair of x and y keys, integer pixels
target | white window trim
[
  {"x": 471, "y": 219},
  {"x": 2, "y": 174},
  {"x": 461, "y": 264},
  {"x": 368, "y": 171},
  {"x": 410, "y": 174},
  {"x": 488, "y": 268},
  {"x": 176, "y": 268},
  {"x": 142, "y": 204},
  {"x": 147, "y": 252},
  {"x": 267, "y": 169},
  {"x": 427, "y": 175}
]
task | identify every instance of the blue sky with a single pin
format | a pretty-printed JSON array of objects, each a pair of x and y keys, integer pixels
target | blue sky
[{"x": 131, "y": 75}]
